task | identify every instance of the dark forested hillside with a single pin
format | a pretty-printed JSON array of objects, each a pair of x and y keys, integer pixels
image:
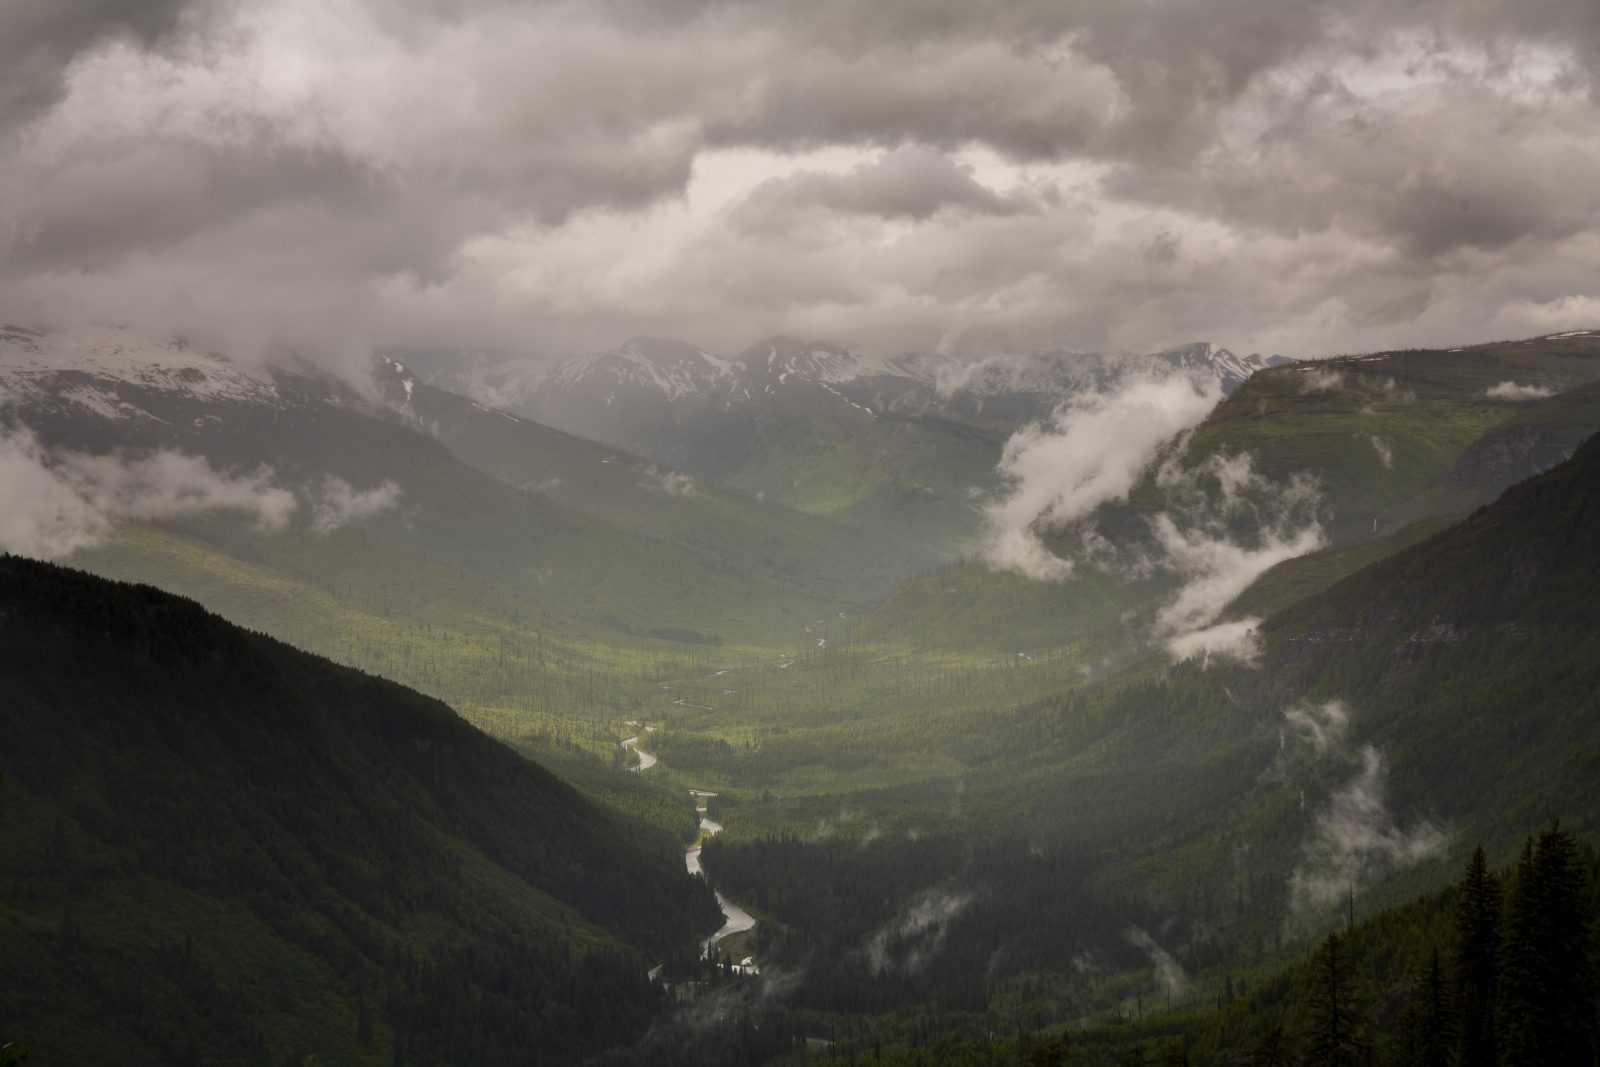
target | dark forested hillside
[
  {"x": 1471, "y": 657},
  {"x": 1498, "y": 968},
  {"x": 1235, "y": 813},
  {"x": 214, "y": 848}
]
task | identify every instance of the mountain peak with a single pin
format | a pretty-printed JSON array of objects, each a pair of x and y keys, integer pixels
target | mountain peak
[
  {"x": 667, "y": 351},
  {"x": 112, "y": 370},
  {"x": 661, "y": 365},
  {"x": 1204, "y": 357},
  {"x": 775, "y": 360}
]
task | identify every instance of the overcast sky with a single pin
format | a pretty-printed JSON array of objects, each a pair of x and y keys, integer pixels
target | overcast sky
[{"x": 1292, "y": 176}]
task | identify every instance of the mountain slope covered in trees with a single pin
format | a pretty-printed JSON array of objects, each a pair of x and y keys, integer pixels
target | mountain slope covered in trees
[
  {"x": 219, "y": 849},
  {"x": 1436, "y": 698}
]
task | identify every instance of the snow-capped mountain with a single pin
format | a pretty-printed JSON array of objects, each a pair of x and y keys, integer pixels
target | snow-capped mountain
[
  {"x": 120, "y": 375},
  {"x": 650, "y": 370},
  {"x": 674, "y": 369},
  {"x": 680, "y": 405},
  {"x": 768, "y": 365},
  {"x": 1203, "y": 357}
]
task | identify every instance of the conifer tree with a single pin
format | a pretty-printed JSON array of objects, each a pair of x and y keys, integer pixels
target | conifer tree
[
  {"x": 1429, "y": 1022},
  {"x": 1271, "y": 1051},
  {"x": 1547, "y": 987},
  {"x": 1477, "y": 962},
  {"x": 1334, "y": 1039}
]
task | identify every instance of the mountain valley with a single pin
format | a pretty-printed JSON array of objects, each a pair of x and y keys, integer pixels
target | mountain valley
[{"x": 1233, "y": 710}]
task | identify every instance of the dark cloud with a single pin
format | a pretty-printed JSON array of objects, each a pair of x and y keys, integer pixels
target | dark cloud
[
  {"x": 1426, "y": 172},
  {"x": 38, "y": 38},
  {"x": 317, "y": 174},
  {"x": 950, "y": 95}
]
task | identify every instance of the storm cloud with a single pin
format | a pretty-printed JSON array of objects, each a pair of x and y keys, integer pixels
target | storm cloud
[{"x": 322, "y": 177}]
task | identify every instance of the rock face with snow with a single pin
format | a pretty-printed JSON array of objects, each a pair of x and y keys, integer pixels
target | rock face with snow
[
  {"x": 1203, "y": 357},
  {"x": 119, "y": 375},
  {"x": 769, "y": 365},
  {"x": 673, "y": 369}
]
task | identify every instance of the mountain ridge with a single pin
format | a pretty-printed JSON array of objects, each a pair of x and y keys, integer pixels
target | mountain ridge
[{"x": 219, "y": 847}]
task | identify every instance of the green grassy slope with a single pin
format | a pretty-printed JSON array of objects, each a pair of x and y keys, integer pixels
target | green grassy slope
[
  {"x": 1425, "y": 407},
  {"x": 1471, "y": 654},
  {"x": 920, "y": 478},
  {"x": 714, "y": 566},
  {"x": 218, "y": 848},
  {"x": 545, "y": 615},
  {"x": 729, "y": 529}
]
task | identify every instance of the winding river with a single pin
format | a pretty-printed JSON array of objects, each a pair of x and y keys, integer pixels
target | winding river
[
  {"x": 735, "y": 920},
  {"x": 646, "y": 761}
]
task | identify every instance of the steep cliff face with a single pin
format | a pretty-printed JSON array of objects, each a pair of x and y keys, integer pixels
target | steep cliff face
[
  {"x": 1506, "y": 456},
  {"x": 1527, "y": 565}
]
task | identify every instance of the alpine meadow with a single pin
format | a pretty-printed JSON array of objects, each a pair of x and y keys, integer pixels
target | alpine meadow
[{"x": 681, "y": 533}]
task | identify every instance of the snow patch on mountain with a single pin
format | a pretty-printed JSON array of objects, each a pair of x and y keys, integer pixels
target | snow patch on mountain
[
  {"x": 84, "y": 365},
  {"x": 674, "y": 369},
  {"x": 678, "y": 371}
]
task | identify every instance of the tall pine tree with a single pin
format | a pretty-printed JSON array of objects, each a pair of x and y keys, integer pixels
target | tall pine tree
[
  {"x": 1335, "y": 1036},
  {"x": 1427, "y": 1028},
  {"x": 1547, "y": 986},
  {"x": 1477, "y": 962}
]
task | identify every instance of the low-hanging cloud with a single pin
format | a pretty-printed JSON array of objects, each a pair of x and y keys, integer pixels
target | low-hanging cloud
[
  {"x": 673, "y": 483},
  {"x": 337, "y": 503},
  {"x": 1384, "y": 449},
  {"x": 41, "y": 515},
  {"x": 1092, "y": 452},
  {"x": 1237, "y": 640},
  {"x": 1198, "y": 540},
  {"x": 1169, "y": 973},
  {"x": 1355, "y": 835},
  {"x": 1315, "y": 379},
  {"x": 1516, "y": 392},
  {"x": 1217, "y": 569},
  {"x": 55, "y": 503},
  {"x": 906, "y": 943}
]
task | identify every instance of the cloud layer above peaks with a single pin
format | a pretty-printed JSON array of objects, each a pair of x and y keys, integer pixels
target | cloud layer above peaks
[{"x": 325, "y": 174}]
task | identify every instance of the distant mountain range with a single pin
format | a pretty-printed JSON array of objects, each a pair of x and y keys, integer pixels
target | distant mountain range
[
  {"x": 305, "y": 508},
  {"x": 632, "y": 395},
  {"x": 905, "y": 444}
]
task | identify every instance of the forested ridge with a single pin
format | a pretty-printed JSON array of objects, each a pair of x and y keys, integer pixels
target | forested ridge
[
  {"x": 219, "y": 849},
  {"x": 1454, "y": 685},
  {"x": 1496, "y": 970}
]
